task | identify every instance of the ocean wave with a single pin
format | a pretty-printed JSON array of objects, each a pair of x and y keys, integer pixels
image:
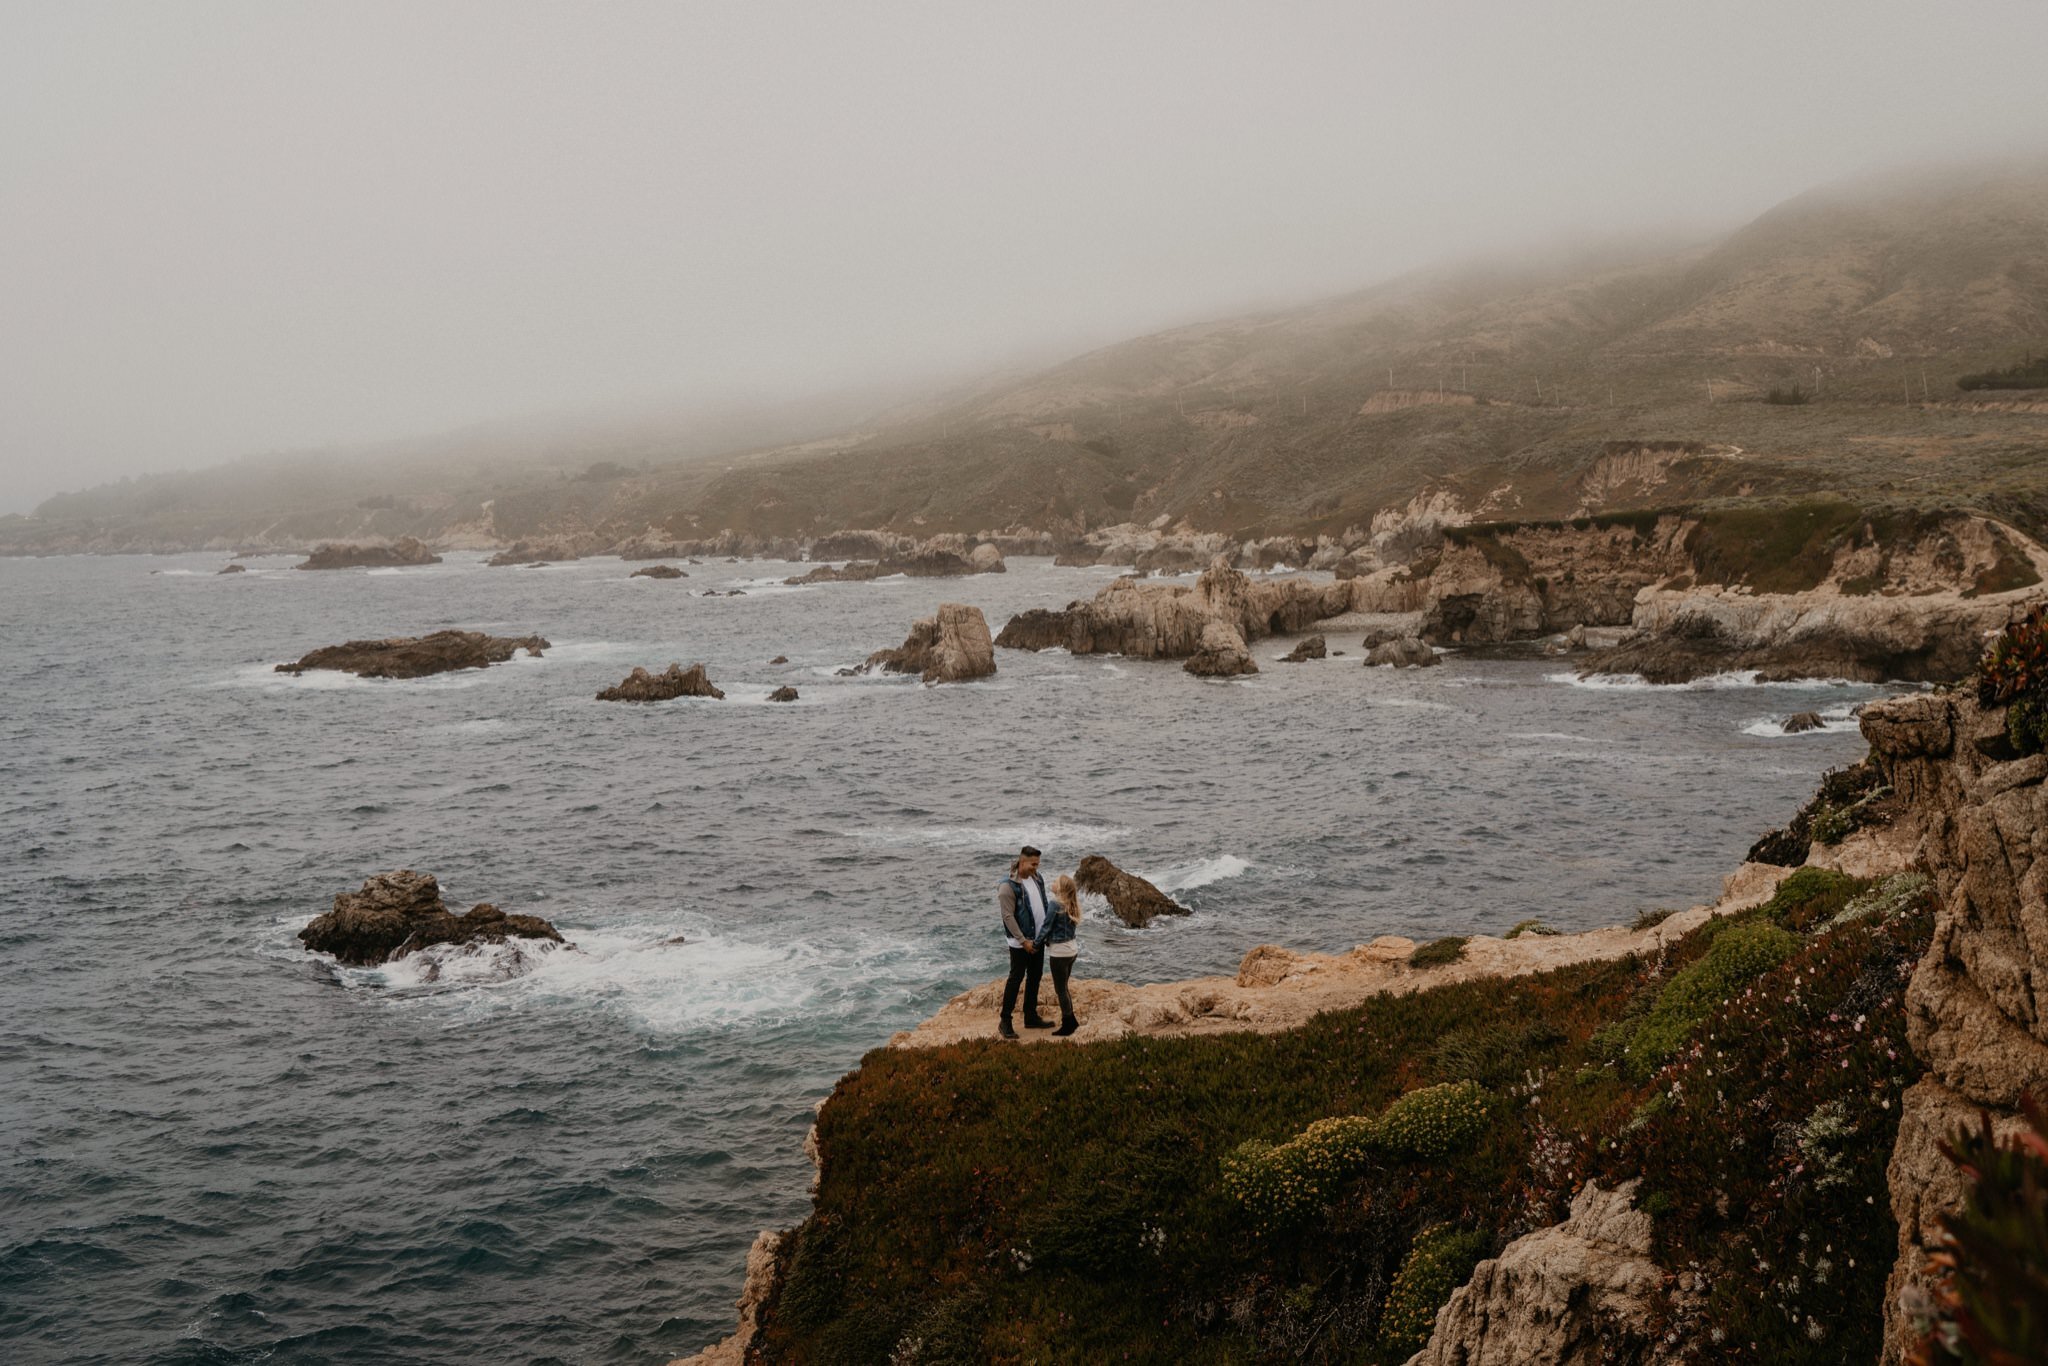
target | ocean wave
[
  {"x": 1186, "y": 877},
  {"x": 267, "y": 677},
  {"x": 1052, "y": 834},
  {"x": 1732, "y": 678}
]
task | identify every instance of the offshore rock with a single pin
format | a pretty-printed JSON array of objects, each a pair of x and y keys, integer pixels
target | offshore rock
[
  {"x": 1167, "y": 621},
  {"x": 1406, "y": 653},
  {"x": 676, "y": 681},
  {"x": 395, "y": 914},
  {"x": 233, "y": 569},
  {"x": 1800, "y": 722},
  {"x": 417, "y": 656},
  {"x": 525, "y": 554},
  {"x": 1579, "y": 1293},
  {"x": 408, "y": 550},
  {"x": 1315, "y": 647},
  {"x": 658, "y": 571},
  {"x": 952, "y": 646},
  {"x": 1136, "y": 902},
  {"x": 1222, "y": 654},
  {"x": 785, "y": 693}
]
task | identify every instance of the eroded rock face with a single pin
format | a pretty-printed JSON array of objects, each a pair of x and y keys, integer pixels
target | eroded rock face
[
  {"x": 1315, "y": 647},
  {"x": 658, "y": 571},
  {"x": 417, "y": 656},
  {"x": 408, "y": 550},
  {"x": 675, "y": 681},
  {"x": 1167, "y": 620},
  {"x": 951, "y": 646},
  {"x": 1579, "y": 1293},
  {"x": 1405, "y": 653},
  {"x": 1136, "y": 902},
  {"x": 1222, "y": 653},
  {"x": 396, "y": 914},
  {"x": 1977, "y": 1006}
]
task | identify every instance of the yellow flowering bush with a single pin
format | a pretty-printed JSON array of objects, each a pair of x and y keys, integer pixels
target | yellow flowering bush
[{"x": 1439, "y": 1261}]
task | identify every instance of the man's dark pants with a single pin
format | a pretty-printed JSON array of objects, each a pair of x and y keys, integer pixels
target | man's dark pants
[{"x": 1026, "y": 966}]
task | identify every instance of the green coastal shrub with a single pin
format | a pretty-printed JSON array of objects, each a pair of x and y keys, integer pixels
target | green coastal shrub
[
  {"x": 1991, "y": 1305},
  {"x": 1438, "y": 952},
  {"x": 1440, "y": 1261},
  {"x": 1809, "y": 897},
  {"x": 1492, "y": 1053},
  {"x": 1278, "y": 1184},
  {"x": 1523, "y": 927},
  {"x": 1739, "y": 953}
]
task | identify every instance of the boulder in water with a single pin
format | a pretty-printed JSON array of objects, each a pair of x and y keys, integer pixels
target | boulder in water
[
  {"x": 1136, "y": 902},
  {"x": 785, "y": 693},
  {"x": 780, "y": 659},
  {"x": 1315, "y": 647},
  {"x": 951, "y": 646},
  {"x": 407, "y": 550},
  {"x": 417, "y": 656},
  {"x": 233, "y": 569},
  {"x": 1407, "y": 653},
  {"x": 394, "y": 914},
  {"x": 676, "y": 681},
  {"x": 1800, "y": 722},
  {"x": 1222, "y": 653},
  {"x": 658, "y": 571}
]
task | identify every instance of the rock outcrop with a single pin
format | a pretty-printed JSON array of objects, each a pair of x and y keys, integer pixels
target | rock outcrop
[
  {"x": 417, "y": 656},
  {"x": 396, "y": 914},
  {"x": 408, "y": 550},
  {"x": 1221, "y": 654},
  {"x": 1315, "y": 647},
  {"x": 526, "y": 554},
  {"x": 938, "y": 558},
  {"x": 1579, "y": 1293},
  {"x": 1800, "y": 722},
  {"x": 1977, "y": 1005},
  {"x": 1136, "y": 902},
  {"x": 233, "y": 569},
  {"x": 951, "y": 646},
  {"x": 785, "y": 693},
  {"x": 1404, "y": 653},
  {"x": 1166, "y": 621},
  {"x": 658, "y": 571},
  {"x": 675, "y": 681}
]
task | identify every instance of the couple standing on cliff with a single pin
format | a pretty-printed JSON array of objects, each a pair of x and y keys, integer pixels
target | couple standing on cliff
[{"x": 1038, "y": 926}]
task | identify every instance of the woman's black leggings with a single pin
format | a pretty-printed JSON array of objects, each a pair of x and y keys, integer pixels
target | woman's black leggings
[{"x": 1062, "y": 969}]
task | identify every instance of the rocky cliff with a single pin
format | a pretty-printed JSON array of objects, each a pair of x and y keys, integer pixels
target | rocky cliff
[
  {"x": 1150, "y": 620},
  {"x": 1977, "y": 1007}
]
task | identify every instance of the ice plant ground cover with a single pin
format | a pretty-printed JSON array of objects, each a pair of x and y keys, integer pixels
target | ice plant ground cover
[{"x": 1315, "y": 1194}]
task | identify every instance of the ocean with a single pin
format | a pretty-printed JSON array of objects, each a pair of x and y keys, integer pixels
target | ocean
[{"x": 216, "y": 1147}]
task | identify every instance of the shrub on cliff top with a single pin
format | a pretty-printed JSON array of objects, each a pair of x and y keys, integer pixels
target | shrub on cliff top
[
  {"x": 1438, "y": 952},
  {"x": 1739, "y": 953},
  {"x": 1440, "y": 1261}
]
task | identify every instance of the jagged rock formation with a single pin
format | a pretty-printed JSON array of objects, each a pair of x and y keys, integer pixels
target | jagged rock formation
[
  {"x": 1579, "y": 1293},
  {"x": 1404, "y": 653},
  {"x": 417, "y": 656},
  {"x": 1167, "y": 621},
  {"x": 1977, "y": 1007},
  {"x": 658, "y": 571},
  {"x": 951, "y": 646},
  {"x": 1315, "y": 647},
  {"x": 1136, "y": 902},
  {"x": 407, "y": 550},
  {"x": 1221, "y": 654},
  {"x": 395, "y": 914},
  {"x": 676, "y": 681}
]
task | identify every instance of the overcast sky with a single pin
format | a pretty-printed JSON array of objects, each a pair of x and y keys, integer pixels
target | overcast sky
[{"x": 229, "y": 228}]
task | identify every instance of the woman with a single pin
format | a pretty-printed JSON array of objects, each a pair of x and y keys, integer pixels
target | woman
[{"x": 1061, "y": 948}]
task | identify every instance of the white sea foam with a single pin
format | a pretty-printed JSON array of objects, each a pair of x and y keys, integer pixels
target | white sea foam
[
  {"x": 1012, "y": 837},
  {"x": 1557, "y": 735},
  {"x": 1733, "y": 678},
  {"x": 267, "y": 677},
  {"x": 1834, "y": 720},
  {"x": 1185, "y": 877}
]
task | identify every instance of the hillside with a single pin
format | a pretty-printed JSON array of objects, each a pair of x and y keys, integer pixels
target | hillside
[{"x": 1499, "y": 388}]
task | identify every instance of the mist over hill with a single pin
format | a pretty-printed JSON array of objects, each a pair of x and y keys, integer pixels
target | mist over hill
[{"x": 1499, "y": 387}]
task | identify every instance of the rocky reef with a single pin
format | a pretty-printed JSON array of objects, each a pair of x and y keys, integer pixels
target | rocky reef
[
  {"x": 658, "y": 571},
  {"x": 404, "y": 552},
  {"x": 675, "y": 681},
  {"x": 417, "y": 656},
  {"x": 950, "y": 646},
  {"x": 1136, "y": 902},
  {"x": 395, "y": 914},
  {"x": 1148, "y": 620},
  {"x": 937, "y": 559}
]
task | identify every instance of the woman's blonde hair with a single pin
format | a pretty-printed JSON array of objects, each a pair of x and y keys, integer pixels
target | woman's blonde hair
[{"x": 1070, "y": 895}]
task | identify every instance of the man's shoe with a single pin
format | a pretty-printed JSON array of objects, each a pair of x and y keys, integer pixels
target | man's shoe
[
  {"x": 1003, "y": 1031},
  {"x": 1034, "y": 1022},
  {"x": 1066, "y": 1027}
]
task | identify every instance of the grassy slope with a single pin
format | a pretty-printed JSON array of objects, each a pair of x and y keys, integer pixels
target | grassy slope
[{"x": 994, "y": 1203}]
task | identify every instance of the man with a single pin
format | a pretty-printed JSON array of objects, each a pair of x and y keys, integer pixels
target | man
[{"x": 1022, "y": 899}]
